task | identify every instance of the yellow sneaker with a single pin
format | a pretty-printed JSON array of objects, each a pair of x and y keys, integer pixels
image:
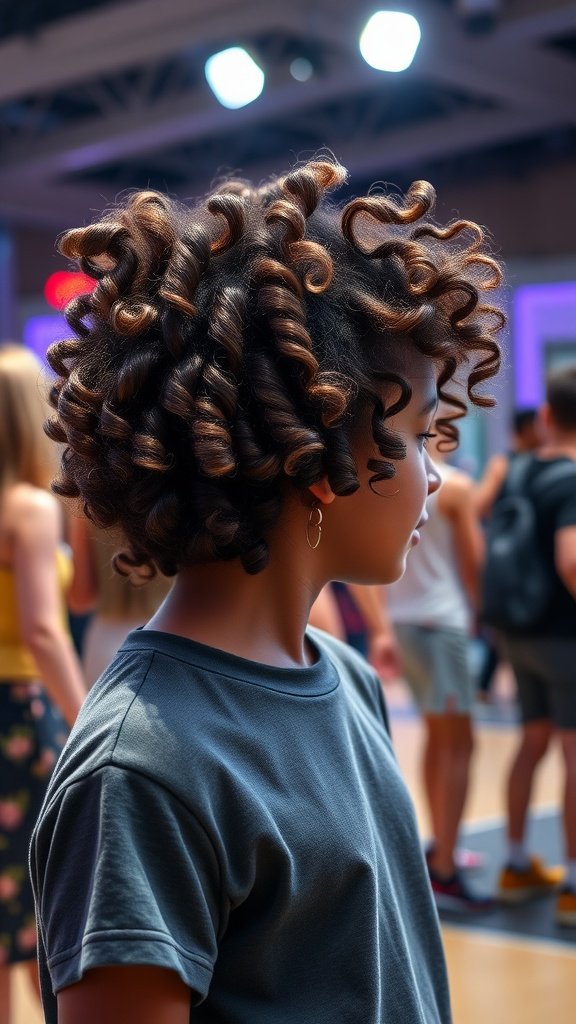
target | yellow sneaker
[
  {"x": 516, "y": 886},
  {"x": 566, "y": 908}
]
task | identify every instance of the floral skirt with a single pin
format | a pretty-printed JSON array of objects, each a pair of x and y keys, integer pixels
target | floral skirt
[{"x": 32, "y": 734}]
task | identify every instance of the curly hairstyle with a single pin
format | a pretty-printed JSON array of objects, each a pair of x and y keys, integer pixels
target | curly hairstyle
[{"x": 233, "y": 347}]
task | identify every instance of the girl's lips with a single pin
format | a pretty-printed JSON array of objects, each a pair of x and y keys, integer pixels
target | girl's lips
[{"x": 414, "y": 539}]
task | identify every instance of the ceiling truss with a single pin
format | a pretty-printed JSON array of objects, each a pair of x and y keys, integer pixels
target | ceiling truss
[{"x": 115, "y": 97}]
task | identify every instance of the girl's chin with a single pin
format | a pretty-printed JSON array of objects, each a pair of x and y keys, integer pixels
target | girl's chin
[{"x": 399, "y": 569}]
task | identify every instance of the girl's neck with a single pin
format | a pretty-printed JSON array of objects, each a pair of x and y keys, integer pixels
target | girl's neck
[{"x": 262, "y": 618}]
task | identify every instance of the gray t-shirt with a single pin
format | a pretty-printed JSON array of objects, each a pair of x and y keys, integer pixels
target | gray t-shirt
[{"x": 247, "y": 827}]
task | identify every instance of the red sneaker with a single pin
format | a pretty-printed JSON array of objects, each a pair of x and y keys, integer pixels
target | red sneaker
[{"x": 453, "y": 894}]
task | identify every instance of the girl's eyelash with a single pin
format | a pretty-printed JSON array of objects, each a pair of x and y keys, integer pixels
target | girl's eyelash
[{"x": 427, "y": 436}]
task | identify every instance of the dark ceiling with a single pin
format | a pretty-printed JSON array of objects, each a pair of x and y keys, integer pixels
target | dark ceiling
[{"x": 102, "y": 95}]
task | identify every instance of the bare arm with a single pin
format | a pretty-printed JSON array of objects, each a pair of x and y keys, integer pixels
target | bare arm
[
  {"x": 83, "y": 592},
  {"x": 382, "y": 649},
  {"x": 565, "y": 557},
  {"x": 456, "y": 502},
  {"x": 35, "y": 517},
  {"x": 487, "y": 488},
  {"x": 119, "y": 995}
]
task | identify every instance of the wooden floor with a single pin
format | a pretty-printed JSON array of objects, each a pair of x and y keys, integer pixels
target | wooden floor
[
  {"x": 497, "y": 980},
  {"x": 494, "y": 978}
]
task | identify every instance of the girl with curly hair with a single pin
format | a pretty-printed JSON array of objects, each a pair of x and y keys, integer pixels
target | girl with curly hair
[{"x": 247, "y": 398}]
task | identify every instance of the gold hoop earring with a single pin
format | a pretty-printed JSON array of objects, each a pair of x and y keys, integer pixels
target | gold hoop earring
[{"x": 315, "y": 518}]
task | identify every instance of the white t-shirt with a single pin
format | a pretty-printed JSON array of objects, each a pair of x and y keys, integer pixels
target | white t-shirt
[{"x": 431, "y": 593}]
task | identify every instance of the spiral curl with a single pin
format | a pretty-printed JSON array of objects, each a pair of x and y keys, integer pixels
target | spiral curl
[{"x": 233, "y": 347}]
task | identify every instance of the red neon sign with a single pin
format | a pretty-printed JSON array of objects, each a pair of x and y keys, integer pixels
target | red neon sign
[{"x": 64, "y": 285}]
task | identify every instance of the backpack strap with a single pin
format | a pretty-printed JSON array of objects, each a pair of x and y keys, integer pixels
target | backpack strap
[
  {"x": 553, "y": 474},
  {"x": 517, "y": 476},
  {"x": 519, "y": 470}
]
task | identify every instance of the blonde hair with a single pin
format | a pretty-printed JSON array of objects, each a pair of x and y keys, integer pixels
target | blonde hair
[{"x": 26, "y": 454}]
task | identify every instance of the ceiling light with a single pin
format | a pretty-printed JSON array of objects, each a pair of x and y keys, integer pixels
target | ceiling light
[
  {"x": 234, "y": 77},
  {"x": 390, "y": 40}
]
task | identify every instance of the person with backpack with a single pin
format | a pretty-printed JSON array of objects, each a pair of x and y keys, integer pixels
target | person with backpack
[
  {"x": 529, "y": 596},
  {"x": 525, "y": 437},
  {"x": 431, "y": 608}
]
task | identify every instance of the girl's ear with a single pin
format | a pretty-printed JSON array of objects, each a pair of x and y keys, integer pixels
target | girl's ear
[{"x": 322, "y": 491}]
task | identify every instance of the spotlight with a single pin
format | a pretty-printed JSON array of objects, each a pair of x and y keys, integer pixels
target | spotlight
[
  {"x": 390, "y": 40},
  {"x": 234, "y": 77}
]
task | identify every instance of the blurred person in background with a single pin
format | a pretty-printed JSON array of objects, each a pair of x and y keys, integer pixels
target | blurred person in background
[
  {"x": 377, "y": 637},
  {"x": 431, "y": 608},
  {"x": 117, "y": 604},
  {"x": 526, "y": 435},
  {"x": 41, "y": 686},
  {"x": 542, "y": 653},
  {"x": 325, "y": 614}
]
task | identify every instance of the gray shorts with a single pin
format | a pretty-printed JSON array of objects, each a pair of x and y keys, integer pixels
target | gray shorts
[
  {"x": 436, "y": 663},
  {"x": 545, "y": 671}
]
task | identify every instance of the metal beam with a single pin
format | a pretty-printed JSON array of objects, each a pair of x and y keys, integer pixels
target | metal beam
[
  {"x": 521, "y": 75},
  {"x": 536, "y": 22},
  {"x": 532, "y": 89},
  {"x": 53, "y": 206},
  {"x": 127, "y": 35},
  {"x": 439, "y": 138},
  {"x": 511, "y": 80},
  {"x": 188, "y": 118},
  {"x": 406, "y": 149}
]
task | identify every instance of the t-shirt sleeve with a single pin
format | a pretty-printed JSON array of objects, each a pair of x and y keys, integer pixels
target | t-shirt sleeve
[{"x": 125, "y": 874}]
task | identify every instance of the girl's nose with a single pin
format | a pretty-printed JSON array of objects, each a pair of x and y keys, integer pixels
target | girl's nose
[{"x": 434, "y": 478}]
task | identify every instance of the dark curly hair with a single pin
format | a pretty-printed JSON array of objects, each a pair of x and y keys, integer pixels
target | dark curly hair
[{"x": 231, "y": 348}]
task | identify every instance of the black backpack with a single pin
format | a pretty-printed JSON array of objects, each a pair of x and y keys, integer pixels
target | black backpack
[{"x": 518, "y": 582}]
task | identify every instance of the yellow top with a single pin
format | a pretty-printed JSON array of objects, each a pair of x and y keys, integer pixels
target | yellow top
[{"x": 16, "y": 662}]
